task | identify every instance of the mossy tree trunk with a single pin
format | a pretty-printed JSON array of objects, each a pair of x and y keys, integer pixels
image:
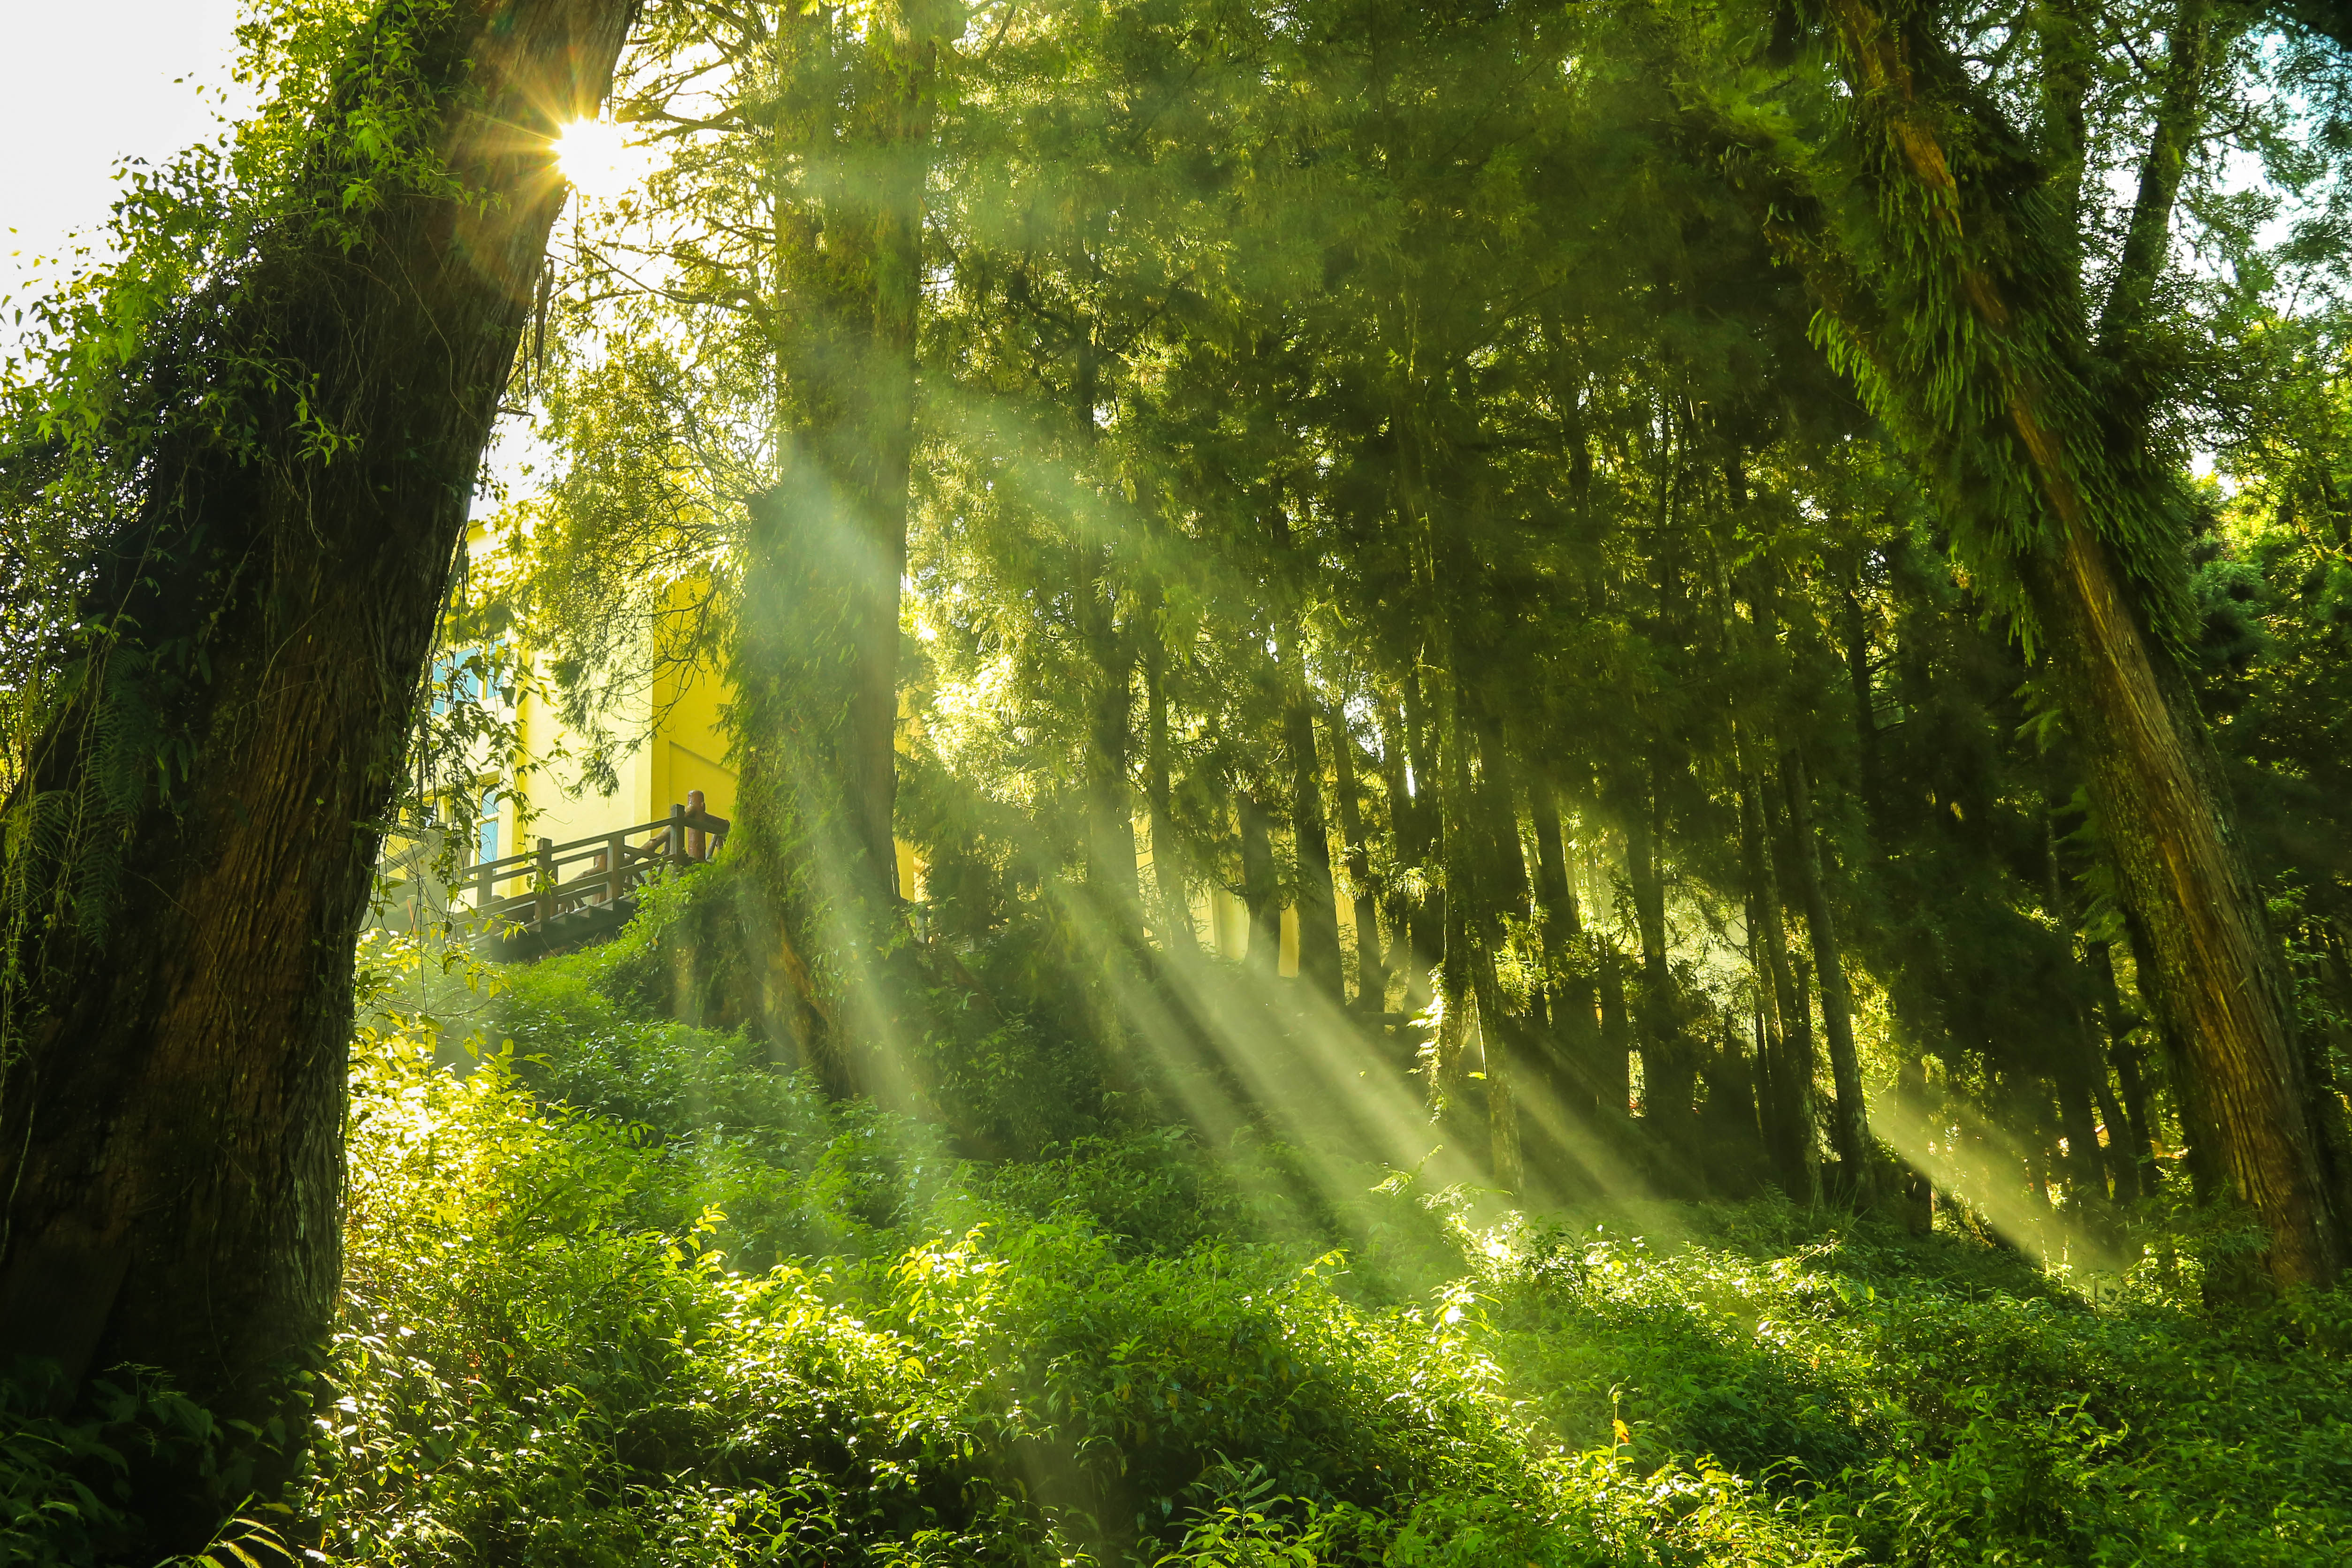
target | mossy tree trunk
[
  {"x": 813, "y": 653},
  {"x": 1950, "y": 288},
  {"x": 173, "y": 1104}
]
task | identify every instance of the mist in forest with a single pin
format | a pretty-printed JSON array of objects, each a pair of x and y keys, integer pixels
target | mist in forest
[{"x": 1170, "y": 782}]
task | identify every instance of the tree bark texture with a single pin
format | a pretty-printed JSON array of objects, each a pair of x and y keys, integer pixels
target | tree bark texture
[
  {"x": 813, "y": 653},
  {"x": 172, "y": 1108},
  {"x": 2018, "y": 414},
  {"x": 2169, "y": 825}
]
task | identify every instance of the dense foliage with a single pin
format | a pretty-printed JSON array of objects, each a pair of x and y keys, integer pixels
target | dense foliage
[
  {"x": 1617, "y": 734},
  {"x": 620, "y": 1293}
]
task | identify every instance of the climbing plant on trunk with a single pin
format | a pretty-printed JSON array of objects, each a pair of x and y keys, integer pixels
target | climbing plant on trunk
[
  {"x": 266, "y": 493},
  {"x": 1951, "y": 293}
]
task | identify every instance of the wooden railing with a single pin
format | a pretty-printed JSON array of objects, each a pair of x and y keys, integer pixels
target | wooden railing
[{"x": 591, "y": 872}]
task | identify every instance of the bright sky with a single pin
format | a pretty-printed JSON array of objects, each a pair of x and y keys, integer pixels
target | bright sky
[{"x": 84, "y": 83}]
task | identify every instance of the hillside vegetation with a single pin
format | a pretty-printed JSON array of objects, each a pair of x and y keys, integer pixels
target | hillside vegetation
[{"x": 618, "y": 1292}]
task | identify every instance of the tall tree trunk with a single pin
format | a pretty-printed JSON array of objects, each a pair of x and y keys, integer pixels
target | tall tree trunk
[
  {"x": 172, "y": 1071},
  {"x": 1502, "y": 1104},
  {"x": 1259, "y": 892},
  {"x": 1167, "y": 858},
  {"x": 1788, "y": 1126},
  {"x": 1112, "y": 879},
  {"x": 2127, "y": 1147},
  {"x": 1567, "y": 966},
  {"x": 2193, "y": 46},
  {"x": 1638, "y": 811},
  {"x": 2077, "y": 1070},
  {"x": 1427, "y": 925},
  {"x": 1371, "y": 971},
  {"x": 812, "y": 651},
  {"x": 2169, "y": 825},
  {"x": 1458, "y": 972},
  {"x": 1795, "y": 1071},
  {"x": 1850, "y": 1118},
  {"x": 1406, "y": 849},
  {"x": 2048, "y": 452},
  {"x": 1500, "y": 884},
  {"x": 1615, "y": 1078},
  {"x": 1870, "y": 768},
  {"x": 1614, "y": 1082},
  {"x": 1318, "y": 913},
  {"x": 1110, "y": 701}
]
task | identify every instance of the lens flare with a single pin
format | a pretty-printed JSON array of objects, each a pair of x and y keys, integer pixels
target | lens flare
[{"x": 598, "y": 160}]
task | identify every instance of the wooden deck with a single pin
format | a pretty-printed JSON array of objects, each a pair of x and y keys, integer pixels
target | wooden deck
[{"x": 555, "y": 896}]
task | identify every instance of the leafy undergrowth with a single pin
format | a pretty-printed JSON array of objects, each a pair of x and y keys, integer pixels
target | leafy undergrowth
[
  {"x": 624, "y": 1293},
  {"x": 620, "y": 1291}
]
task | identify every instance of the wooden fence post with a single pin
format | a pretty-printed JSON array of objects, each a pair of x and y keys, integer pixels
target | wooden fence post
[
  {"x": 546, "y": 881},
  {"x": 616, "y": 865}
]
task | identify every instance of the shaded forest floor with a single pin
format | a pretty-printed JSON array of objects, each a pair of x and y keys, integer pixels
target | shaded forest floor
[{"x": 623, "y": 1293}]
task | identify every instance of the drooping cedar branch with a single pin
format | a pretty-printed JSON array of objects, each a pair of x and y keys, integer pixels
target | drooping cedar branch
[{"x": 1975, "y": 350}]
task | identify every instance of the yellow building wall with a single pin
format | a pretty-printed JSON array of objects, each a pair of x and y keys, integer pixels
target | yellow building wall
[
  {"x": 685, "y": 753},
  {"x": 689, "y": 751}
]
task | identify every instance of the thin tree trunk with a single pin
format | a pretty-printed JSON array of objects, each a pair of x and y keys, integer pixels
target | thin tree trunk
[
  {"x": 2074, "y": 1072},
  {"x": 1318, "y": 913},
  {"x": 1111, "y": 876},
  {"x": 2134, "y": 1134},
  {"x": 1567, "y": 978},
  {"x": 1614, "y": 1080},
  {"x": 1799, "y": 1066},
  {"x": 1427, "y": 923},
  {"x": 1789, "y": 1128},
  {"x": 1850, "y": 1118},
  {"x": 1110, "y": 652},
  {"x": 1405, "y": 848},
  {"x": 1371, "y": 972},
  {"x": 1258, "y": 889},
  {"x": 1458, "y": 971},
  {"x": 1167, "y": 857},
  {"x": 2193, "y": 44},
  {"x": 2126, "y": 1150},
  {"x": 1668, "y": 1075},
  {"x": 171, "y": 1098},
  {"x": 1502, "y": 1106},
  {"x": 1500, "y": 884},
  {"x": 1869, "y": 768}
]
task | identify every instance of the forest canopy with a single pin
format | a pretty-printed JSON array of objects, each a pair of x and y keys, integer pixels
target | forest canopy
[{"x": 1553, "y": 782}]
